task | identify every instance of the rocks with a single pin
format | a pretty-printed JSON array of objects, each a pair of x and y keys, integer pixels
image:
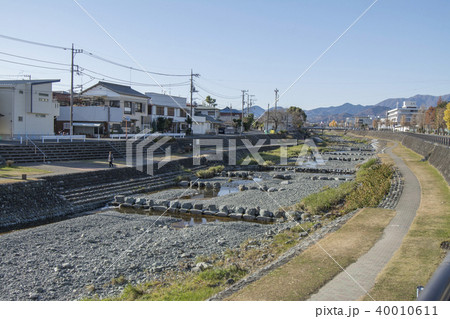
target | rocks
[
  {"x": 198, "y": 206},
  {"x": 201, "y": 267},
  {"x": 280, "y": 214},
  {"x": 243, "y": 188},
  {"x": 184, "y": 183},
  {"x": 285, "y": 183},
  {"x": 119, "y": 198},
  {"x": 252, "y": 211},
  {"x": 140, "y": 201},
  {"x": 224, "y": 209},
  {"x": 305, "y": 216},
  {"x": 129, "y": 200},
  {"x": 174, "y": 204},
  {"x": 294, "y": 215},
  {"x": 240, "y": 210},
  {"x": 186, "y": 205},
  {"x": 216, "y": 185},
  {"x": 272, "y": 189},
  {"x": 265, "y": 213}
]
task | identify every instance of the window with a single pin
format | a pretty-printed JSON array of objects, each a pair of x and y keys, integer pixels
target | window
[
  {"x": 41, "y": 99},
  {"x": 182, "y": 113},
  {"x": 114, "y": 103},
  {"x": 66, "y": 126},
  {"x": 212, "y": 113},
  {"x": 43, "y": 94},
  {"x": 20, "y": 119},
  {"x": 170, "y": 111},
  {"x": 139, "y": 107},
  {"x": 159, "y": 110},
  {"x": 40, "y": 115},
  {"x": 20, "y": 92},
  {"x": 128, "y": 108}
]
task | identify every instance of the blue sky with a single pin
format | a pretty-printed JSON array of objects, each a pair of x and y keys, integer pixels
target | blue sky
[{"x": 398, "y": 49}]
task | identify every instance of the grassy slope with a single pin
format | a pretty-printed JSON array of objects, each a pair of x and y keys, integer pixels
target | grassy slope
[{"x": 309, "y": 271}]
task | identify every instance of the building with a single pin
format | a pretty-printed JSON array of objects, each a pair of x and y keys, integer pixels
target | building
[
  {"x": 207, "y": 110},
  {"x": 133, "y": 105},
  {"x": 227, "y": 115},
  {"x": 404, "y": 116},
  {"x": 168, "y": 107},
  {"x": 27, "y": 107}
]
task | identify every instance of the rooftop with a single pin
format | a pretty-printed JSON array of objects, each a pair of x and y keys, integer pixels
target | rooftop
[{"x": 119, "y": 89}]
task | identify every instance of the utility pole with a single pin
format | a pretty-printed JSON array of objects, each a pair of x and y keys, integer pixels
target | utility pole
[
  {"x": 248, "y": 104},
  {"x": 71, "y": 88},
  {"x": 275, "y": 115},
  {"x": 192, "y": 90},
  {"x": 267, "y": 120},
  {"x": 242, "y": 114}
]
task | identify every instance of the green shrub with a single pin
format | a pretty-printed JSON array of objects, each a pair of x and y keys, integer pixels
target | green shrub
[{"x": 209, "y": 172}]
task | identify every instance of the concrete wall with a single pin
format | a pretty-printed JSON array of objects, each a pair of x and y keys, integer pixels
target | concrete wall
[{"x": 437, "y": 155}]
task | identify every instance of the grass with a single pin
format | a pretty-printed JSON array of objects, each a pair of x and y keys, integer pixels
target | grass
[
  {"x": 371, "y": 184},
  {"x": 17, "y": 171},
  {"x": 306, "y": 273},
  {"x": 420, "y": 253},
  {"x": 210, "y": 171}
]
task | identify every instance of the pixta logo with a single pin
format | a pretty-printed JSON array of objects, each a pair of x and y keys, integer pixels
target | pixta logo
[{"x": 141, "y": 151}]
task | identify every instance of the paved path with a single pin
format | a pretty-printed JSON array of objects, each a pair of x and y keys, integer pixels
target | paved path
[{"x": 366, "y": 268}]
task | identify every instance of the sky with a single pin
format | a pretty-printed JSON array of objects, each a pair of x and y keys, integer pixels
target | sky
[{"x": 399, "y": 48}]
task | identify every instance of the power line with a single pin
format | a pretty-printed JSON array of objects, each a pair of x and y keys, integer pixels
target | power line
[
  {"x": 34, "y": 42},
  {"x": 92, "y": 55},
  {"x": 35, "y": 66},
  {"x": 31, "y": 59},
  {"x": 226, "y": 97}
]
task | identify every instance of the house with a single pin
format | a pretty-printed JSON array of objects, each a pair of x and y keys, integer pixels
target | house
[
  {"x": 28, "y": 108},
  {"x": 228, "y": 114},
  {"x": 207, "y": 110},
  {"x": 133, "y": 105},
  {"x": 404, "y": 116},
  {"x": 168, "y": 107}
]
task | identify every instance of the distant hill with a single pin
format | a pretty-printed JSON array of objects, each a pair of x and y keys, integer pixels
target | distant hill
[
  {"x": 256, "y": 110},
  {"x": 421, "y": 100},
  {"x": 338, "y": 113}
]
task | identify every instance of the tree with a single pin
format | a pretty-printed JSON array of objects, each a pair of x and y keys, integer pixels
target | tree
[
  {"x": 447, "y": 116},
  {"x": 375, "y": 123},
  {"x": 333, "y": 123},
  {"x": 248, "y": 121},
  {"x": 403, "y": 122},
  {"x": 430, "y": 118},
  {"x": 420, "y": 119},
  {"x": 210, "y": 101},
  {"x": 298, "y": 116},
  {"x": 440, "y": 122}
]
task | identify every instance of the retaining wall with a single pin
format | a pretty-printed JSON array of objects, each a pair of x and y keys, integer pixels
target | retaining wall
[{"x": 437, "y": 155}]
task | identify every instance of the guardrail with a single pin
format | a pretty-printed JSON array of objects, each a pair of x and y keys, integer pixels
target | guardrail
[
  {"x": 138, "y": 136},
  {"x": 438, "y": 288},
  {"x": 444, "y": 140},
  {"x": 63, "y": 137}
]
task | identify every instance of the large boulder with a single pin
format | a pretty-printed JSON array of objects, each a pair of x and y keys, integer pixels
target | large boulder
[
  {"x": 252, "y": 211},
  {"x": 184, "y": 183},
  {"x": 272, "y": 189},
  {"x": 186, "y": 205},
  {"x": 242, "y": 188},
  {"x": 130, "y": 200},
  {"x": 174, "y": 204},
  {"x": 119, "y": 199}
]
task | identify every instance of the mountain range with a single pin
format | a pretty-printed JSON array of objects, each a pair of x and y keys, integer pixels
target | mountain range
[{"x": 341, "y": 112}]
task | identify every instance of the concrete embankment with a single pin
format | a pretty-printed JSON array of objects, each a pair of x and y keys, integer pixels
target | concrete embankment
[{"x": 437, "y": 155}]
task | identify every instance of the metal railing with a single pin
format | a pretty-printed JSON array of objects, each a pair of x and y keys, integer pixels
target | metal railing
[
  {"x": 439, "y": 139},
  {"x": 36, "y": 148},
  {"x": 139, "y": 136}
]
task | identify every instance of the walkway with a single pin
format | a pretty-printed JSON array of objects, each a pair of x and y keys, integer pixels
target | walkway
[{"x": 367, "y": 267}]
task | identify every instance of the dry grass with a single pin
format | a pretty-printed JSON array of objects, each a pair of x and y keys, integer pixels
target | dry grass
[
  {"x": 308, "y": 272},
  {"x": 420, "y": 254}
]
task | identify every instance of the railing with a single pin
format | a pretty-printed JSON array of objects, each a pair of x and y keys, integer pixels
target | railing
[
  {"x": 444, "y": 140},
  {"x": 438, "y": 288},
  {"x": 63, "y": 137},
  {"x": 36, "y": 148},
  {"x": 139, "y": 136}
]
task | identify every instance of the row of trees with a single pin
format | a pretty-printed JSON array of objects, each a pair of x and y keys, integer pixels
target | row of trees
[{"x": 293, "y": 117}]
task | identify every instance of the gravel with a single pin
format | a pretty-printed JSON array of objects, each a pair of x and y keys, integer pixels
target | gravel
[{"x": 60, "y": 261}]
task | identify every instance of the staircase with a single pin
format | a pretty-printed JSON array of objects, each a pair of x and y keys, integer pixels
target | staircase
[{"x": 87, "y": 193}]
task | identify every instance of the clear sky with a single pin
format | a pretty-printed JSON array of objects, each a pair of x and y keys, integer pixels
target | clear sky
[{"x": 398, "y": 49}]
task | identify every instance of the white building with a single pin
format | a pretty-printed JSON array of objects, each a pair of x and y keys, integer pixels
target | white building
[
  {"x": 170, "y": 107},
  {"x": 404, "y": 114},
  {"x": 132, "y": 103},
  {"x": 27, "y": 108}
]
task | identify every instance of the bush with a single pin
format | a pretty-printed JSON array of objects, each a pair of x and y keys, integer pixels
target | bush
[
  {"x": 210, "y": 172},
  {"x": 9, "y": 163}
]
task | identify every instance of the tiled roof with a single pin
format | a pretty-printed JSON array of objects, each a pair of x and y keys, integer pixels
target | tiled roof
[{"x": 121, "y": 89}]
